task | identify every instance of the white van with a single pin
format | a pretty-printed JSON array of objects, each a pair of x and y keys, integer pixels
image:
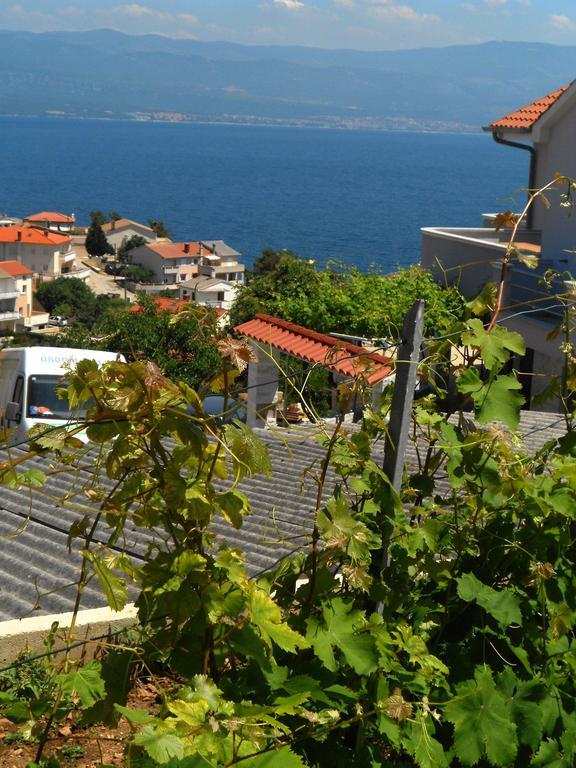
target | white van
[{"x": 29, "y": 379}]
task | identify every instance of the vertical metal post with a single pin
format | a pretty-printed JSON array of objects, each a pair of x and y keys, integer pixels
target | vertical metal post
[{"x": 407, "y": 359}]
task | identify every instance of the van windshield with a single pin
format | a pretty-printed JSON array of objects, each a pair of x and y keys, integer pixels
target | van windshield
[{"x": 44, "y": 403}]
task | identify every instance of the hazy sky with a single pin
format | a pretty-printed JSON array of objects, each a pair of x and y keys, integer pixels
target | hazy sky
[{"x": 364, "y": 24}]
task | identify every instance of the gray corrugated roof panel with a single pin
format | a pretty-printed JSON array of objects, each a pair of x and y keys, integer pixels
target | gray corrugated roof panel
[{"x": 37, "y": 562}]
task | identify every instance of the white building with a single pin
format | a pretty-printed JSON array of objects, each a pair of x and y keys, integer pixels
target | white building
[
  {"x": 52, "y": 220},
  {"x": 47, "y": 254},
  {"x": 470, "y": 257},
  {"x": 208, "y": 291},
  {"x": 119, "y": 231},
  {"x": 175, "y": 263}
]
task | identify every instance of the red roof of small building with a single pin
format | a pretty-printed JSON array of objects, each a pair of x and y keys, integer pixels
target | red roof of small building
[
  {"x": 15, "y": 269},
  {"x": 342, "y": 357},
  {"x": 52, "y": 216},
  {"x": 31, "y": 236},
  {"x": 163, "y": 304},
  {"x": 112, "y": 226},
  {"x": 178, "y": 250},
  {"x": 524, "y": 118}
]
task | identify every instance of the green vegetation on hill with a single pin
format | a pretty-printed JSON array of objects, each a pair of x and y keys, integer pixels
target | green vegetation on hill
[{"x": 342, "y": 299}]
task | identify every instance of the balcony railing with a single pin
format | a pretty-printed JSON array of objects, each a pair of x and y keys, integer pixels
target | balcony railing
[
  {"x": 7, "y": 295},
  {"x": 9, "y": 316}
]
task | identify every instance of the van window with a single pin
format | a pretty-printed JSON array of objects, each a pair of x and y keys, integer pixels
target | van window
[
  {"x": 17, "y": 395},
  {"x": 44, "y": 403}
]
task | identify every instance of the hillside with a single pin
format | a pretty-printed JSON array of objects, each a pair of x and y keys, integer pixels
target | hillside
[{"x": 106, "y": 73}]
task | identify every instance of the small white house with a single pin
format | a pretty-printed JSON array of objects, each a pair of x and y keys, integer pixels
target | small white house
[
  {"x": 210, "y": 292},
  {"x": 119, "y": 231}
]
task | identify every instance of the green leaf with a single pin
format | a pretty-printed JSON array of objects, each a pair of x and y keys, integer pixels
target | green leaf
[
  {"x": 340, "y": 529},
  {"x": 113, "y": 586},
  {"x": 482, "y": 722},
  {"x": 86, "y": 682},
  {"x": 503, "y": 605},
  {"x": 548, "y": 756},
  {"x": 495, "y": 347},
  {"x": 524, "y": 699},
  {"x": 249, "y": 455},
  {"x": 428, "y": 752},
  {"x": 342, "y": 627},
  {"x": 234, "y": 506},
  {"x": 282, "y": 758},
  {"x": 161, "y": 747},
  {"x": 136, "y": 716},
  {"x": 266, "y": 617},
  {"x": 495, "y": 400}
]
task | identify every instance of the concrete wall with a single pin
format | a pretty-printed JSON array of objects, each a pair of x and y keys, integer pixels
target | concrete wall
[
  {"x": 453, "y": 252},
  {"x": 27, "y": 635},
  {"x": 556, "y": 155}
]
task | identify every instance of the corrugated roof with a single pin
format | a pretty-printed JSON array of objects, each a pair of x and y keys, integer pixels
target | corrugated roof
[
  {"x": 523, "y": 119},
  {"x": 32, "y": 236},
  {"x": 342, "y": 357},
  {"x": 36, "y": 569},
  {"x": 51, "y": 216}
]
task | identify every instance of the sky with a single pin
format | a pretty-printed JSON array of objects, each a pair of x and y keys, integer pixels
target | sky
[{"x": 360, "y": 24}]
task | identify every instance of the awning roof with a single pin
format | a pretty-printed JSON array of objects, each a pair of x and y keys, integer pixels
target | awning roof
[{"x": 339, "y": 356}]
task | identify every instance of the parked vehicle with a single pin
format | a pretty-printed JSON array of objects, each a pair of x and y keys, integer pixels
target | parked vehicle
[
  {"x": 29, "y": 380},
  {"x": 57, "y": 320},
  {"x": 224, "y": 411}
]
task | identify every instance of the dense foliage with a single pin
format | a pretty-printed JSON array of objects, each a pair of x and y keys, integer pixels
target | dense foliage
[
  {"x": 74, "y": 300},
  {"x": 96, "y": 242},
  {"x": 342, "y": 299}
]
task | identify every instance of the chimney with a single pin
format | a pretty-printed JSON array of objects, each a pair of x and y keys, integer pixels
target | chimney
[
  {"x": 45, "y": 233},
  {"x": 200, "y": 249},
  {"x": 113, "y": 222},
  {"x": 186, "y": 247},
  {"x": 19, "y": 235}
]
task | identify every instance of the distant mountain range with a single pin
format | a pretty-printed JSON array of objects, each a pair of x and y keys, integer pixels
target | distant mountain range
[{"x": 108, "y": 74}]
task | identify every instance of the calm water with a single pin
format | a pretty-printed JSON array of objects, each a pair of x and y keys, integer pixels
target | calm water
[{"x": 351, "y": 195}]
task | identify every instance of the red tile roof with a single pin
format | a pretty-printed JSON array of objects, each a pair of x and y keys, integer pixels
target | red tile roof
[
  {"x": 342, "y": 357},
  {"x": 163, "y": 304},
  {"x": 52, "y": 216},
  {"x": 15, "y": 269},
  {"x": 524, "y": 118},
  {"x": 112, "y": 226},
  {"x": 178, "y": 250},
  {"x": 32, "y": 236}
]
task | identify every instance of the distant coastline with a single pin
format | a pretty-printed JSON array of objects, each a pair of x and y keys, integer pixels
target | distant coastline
[{"x": 325, "y": 122}]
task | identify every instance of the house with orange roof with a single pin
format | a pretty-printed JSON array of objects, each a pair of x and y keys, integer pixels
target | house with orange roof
[
  {"x": 46, "y": 253},
  {"x": 470, "y": 257},
  {"x": 16, "y": 300},
  {"x": 52, "y": 220},
  {"x": 175, "y": 263},
  {"x": 119, "y": 231}
]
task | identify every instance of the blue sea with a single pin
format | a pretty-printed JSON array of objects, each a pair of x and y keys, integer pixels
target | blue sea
[{"x": 356, "y": 196}]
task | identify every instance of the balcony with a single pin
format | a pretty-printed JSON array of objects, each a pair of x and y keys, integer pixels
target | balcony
[
  {"x": 6, "y": 295},
  {"x": 8, "y": 315},
  {"x": 66, "y": 258},
  {"x": 468, "y": 256}
]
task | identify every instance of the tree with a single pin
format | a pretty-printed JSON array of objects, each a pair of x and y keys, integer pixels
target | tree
[
  {"x": 183, "y": 345},
  {"x": 159, "y": 227},
  {"x": 114, "y": 216},
  {"x": 341, "y": 298},
  {"x": 96, "y": 243},
  {"x": 269, "y": 260},
  {"x": 124, "y": 252},
  {"x": 98, "y": 217},
  {"x": 68, "y": 291}
]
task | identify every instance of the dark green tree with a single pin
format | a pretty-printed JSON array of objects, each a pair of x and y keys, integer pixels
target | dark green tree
[
  {"x": 65, "y": 291},
  {"x": 124, "y": 252},
  {"x": 114, "y": 216},
  {"x": 269, "y": 260},
  {"x": 98, "y": 217},
  {"x": 96, "y": 243},
  {"x": 159, "y": 227}
]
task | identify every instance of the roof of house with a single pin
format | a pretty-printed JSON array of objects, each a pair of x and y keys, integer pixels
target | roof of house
[
  {"x": 36, "y": 569},
  {"x": 32, "y": 236},
  {"x": 168, "y": 250},
  {"x": 342, "y": 357},
  {"x": 164, "y": 304},
  {"x": 15, "y": 269},
  {"x": 205, "y": 283},
  {"x": 52, "y": 216},
  {"x": 220, "y": 248},
  {"x": 526, "y": 117},
  {"x": 112, "y": 226}
]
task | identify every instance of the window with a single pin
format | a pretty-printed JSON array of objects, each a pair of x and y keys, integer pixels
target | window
[
  {"x": 17, "y": 396},
  {"x": 220, "y": 295},
  {"x": 44, "y": 403}
]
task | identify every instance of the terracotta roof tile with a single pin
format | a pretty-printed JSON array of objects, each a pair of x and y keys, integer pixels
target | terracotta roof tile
[
  {"x": 112, "y": 226},
  {"x": 524, "y": 118},
  {"x": 163, "y": 303},
  {"x": 32, "y": 236},
  {"x": 15, "y": 269},
  {"x": 177, "y": 250},
  {"x": 342, "y": 357},
  {"x": 53, "y": 216}
]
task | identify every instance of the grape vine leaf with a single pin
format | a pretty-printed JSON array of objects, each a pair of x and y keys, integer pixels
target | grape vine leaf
[
  {"x": 494, "y": 400},
  {"x": 495, "y": 347},
  {"x": 86, "y": 682},
  {"x": 339, "y": 628},
  {"x": 282, "y": 758},
  {"x": 266, "y": 617},
  {"x": 161, "y": 747},
  {"x": 249, "y": 455},
  {"x": 482, "y": 722},
  {"x": 502, "y": 604},
  {"x": 113, "y": 586}
]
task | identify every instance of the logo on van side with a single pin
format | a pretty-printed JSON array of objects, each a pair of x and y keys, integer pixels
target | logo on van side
[{"x": 55, "y": 359}]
